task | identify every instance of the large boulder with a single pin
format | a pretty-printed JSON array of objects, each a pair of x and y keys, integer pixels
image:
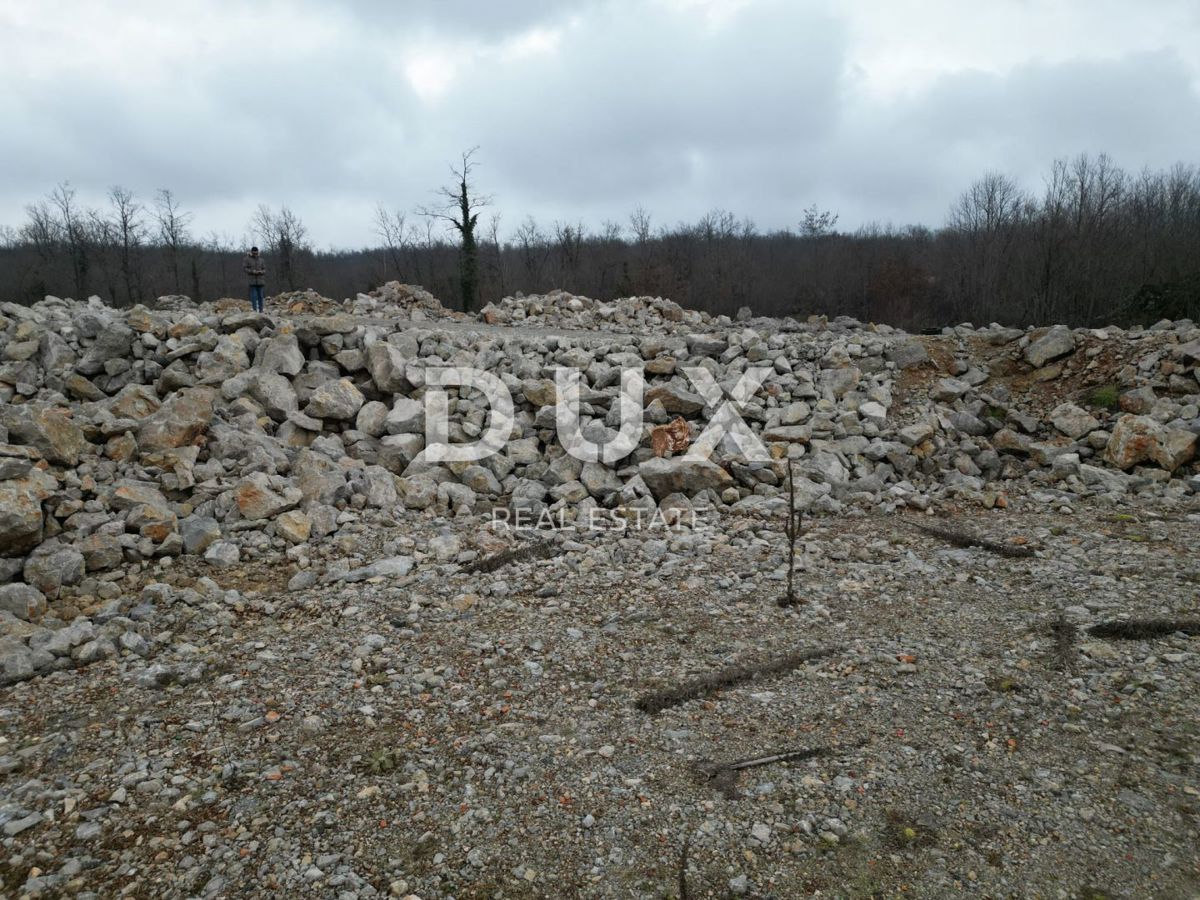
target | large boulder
[
  {"x": 407, "y": 416},
  {"x": 1056, "y": 342},
  {"x": 21, "y": 517},
  {"x": 199, "y": 533},
  {"x": 276, "y": 395},
  {"x": 675, "y": 400},
  {"x": 135, "y": 401},
  {"x": 319, "y": 478},
  {"x": 182, "y": 420},
  {"x": 51, "y": 566},
  {"x": 335, "y": 400},
  {"x": 257, "y": 498},
  {"x": 22, "y": 600},
  {"x": 387, "y": 366},
  {"x": 48, "y": 429},
  {"x": 101, "y": 551},
  {"x": 294, "y": 527},
  {"x": 948, "y": 390},
  {"x": 112, "y": 342},
  {"x": 540, "y": 391},
  {"x": 682, "y": 476},
  {"x": 1139, "y": 439},
  {"x": 128, "y": 493},
  {"x": 907, "y": 354},
  {"x": 1072, "y": 420},
  {"x": 280, "y": 354}
]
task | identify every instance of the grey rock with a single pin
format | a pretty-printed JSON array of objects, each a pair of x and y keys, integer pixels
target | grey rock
[
  {"x": 199, "y": 533},
  {"x": 1072, "y": 420},
  {"x": 339, "y": 400},
  {"x": 48, "y": 568},
  {"x": 907, "y": 354},
  {"x": 1056, "y": 342},
  {"x": 394, "y": 567},
  {"x": 682, "y": 476},
  {"x": 24, "y": 601},
  {"x": 223, "y": 555},
  {"x": 387, "y": 365}
]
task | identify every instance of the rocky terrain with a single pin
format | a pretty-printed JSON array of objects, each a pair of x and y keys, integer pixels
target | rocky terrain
[{"x": 254, "y": 643}]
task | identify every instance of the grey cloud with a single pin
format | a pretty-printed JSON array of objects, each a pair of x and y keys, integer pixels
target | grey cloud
[
  {"x": 483, "y": 18},
  {"x": 638, "y": 103}
]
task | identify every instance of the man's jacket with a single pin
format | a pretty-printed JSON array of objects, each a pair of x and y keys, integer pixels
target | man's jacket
[{"x": 255, "y": 269}]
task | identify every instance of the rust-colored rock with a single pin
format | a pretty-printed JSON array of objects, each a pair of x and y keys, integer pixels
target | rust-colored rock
[
  {"x": 154, "y": 522},
  {"x": 21, "y": 518},
  {"x": 1138, "y": 439},
  {"x": 48, "y": 429},
  {"x": 135, "y": 401},
  {"x": 182, "y": 420},
  {"x": 673, "y": 437}
]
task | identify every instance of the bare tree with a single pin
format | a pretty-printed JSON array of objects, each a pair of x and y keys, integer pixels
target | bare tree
[
  {"x": 817, "y": 222},
  {"x": 534, "y": 250},
  {"x": 390, "y": 227},
  {"x": 496, "y": 260},
  {"x": 74, "y": 232},
  {"x": 639, "y": 224},
  {"x": 173, "y": 225},
  {"x": 222, "y": 251},
  {"x": 570, "y": 239},
  {"x": 285, "y": 237},
  {"x": 41, "y": 230},
  {"x": 129, "y": 229},
  {"x": 460, "y": 210}
]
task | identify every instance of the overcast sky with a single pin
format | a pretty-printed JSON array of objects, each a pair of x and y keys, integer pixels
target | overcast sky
[{"x": 881, "y": 110}]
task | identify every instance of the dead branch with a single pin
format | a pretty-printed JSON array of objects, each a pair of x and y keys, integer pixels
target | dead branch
[
  {"x": 1141, "y": 629},
  {"x": 683, "y": 860},
  {"x": 1064, "y": 642},
  {"x": 966, "y": 539},
  {"x": 536, "y": 550},
  {"x": 657, "y": 701},
  {"x": 792, "y": 530},
  {"x": 724, "y": 774}
]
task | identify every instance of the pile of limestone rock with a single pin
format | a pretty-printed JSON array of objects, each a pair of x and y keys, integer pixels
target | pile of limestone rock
[
  {"x": 129, "y": 435},
  {"x": 560, "y": 309},
  {"x": 398, "y": 300}
]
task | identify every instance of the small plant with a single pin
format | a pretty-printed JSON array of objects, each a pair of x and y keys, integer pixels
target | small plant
[
  {"x": 904, "y": 831},
  {"x": 382, "y": 761},
  {"x": 1003, "y": 685},
  {"x": 1105, "y": 397}
]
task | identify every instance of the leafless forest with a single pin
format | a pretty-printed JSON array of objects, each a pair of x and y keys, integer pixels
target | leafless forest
[{"x": 1092, "y": 244}]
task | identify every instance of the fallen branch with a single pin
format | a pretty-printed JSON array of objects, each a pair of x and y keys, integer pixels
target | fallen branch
[
  {"x": 537, "y": 550},
  {"x": 683, "y": 858},
  {"x": 728, "y": 677},
  {"x": 1064, "y": 642},
  {"x": 1140, "y": 629},
  {"x": 966, "y": 539},
  {"x": 724, "y": 774}
]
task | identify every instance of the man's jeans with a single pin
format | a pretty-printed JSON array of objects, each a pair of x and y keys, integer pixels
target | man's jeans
[{"x": 256, "y": 297}]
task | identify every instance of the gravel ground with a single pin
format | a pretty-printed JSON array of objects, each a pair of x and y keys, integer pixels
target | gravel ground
[{"x": 449, "y": 734}]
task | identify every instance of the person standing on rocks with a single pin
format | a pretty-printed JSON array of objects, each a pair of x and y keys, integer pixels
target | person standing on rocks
[{"x": 256, "y": 270}]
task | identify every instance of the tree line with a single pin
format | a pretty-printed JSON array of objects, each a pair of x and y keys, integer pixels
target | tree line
[{"x": 1096, "y": 244}]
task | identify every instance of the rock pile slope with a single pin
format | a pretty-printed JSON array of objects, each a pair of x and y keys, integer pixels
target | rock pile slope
[{"x": 132, "y": 435}]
